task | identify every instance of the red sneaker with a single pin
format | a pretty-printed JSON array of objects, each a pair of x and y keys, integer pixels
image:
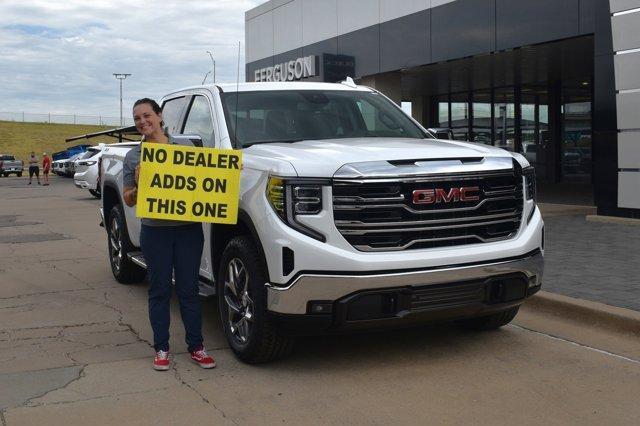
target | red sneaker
[
  {"x": 161, "y": 361},
  {"x": 201, "y": 357}
]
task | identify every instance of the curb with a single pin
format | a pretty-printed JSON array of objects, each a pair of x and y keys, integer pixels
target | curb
[
  {"x": 555, "y": 210},
  {"x": 613, "y": 219},
  {"x": 585, "y": 312}
]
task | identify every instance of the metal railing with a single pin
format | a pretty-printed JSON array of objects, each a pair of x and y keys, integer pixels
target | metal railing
[{"x": 96, "y": 120}]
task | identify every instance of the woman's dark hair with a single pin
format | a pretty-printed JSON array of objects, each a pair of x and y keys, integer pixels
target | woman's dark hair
[{"x": 154, "y": 105}]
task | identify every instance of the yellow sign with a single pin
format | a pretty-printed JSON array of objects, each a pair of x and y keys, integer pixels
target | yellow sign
[{"x": 190, "y": 184}]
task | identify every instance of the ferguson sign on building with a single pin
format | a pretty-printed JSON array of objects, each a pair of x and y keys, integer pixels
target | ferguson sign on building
[{"x": 288, "y": 71}]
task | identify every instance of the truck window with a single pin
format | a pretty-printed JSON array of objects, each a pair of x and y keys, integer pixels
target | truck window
[
  {"x": 293, "y": 115},
  {"x": 171, "y": 112},
  {"x": 199, "y": 121}
]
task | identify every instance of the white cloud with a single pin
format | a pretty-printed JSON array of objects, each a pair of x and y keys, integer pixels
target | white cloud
[{"x": 59, "y": 56}]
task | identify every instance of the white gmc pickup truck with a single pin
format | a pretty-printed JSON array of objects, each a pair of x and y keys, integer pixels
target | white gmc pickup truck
[{"x": 351, "y": 216}]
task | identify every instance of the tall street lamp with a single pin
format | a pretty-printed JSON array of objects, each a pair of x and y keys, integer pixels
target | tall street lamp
[
  {"x": 214, "y": 66},
  {"x": 121, "y": 77},
  {"x": 205, "y": 78}
]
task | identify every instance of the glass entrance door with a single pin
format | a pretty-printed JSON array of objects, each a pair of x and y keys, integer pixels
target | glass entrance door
[
  {"x": 534, "y": 127},
  {"x": 504, "y": 112},
  {"x": 575, "y": 152}
]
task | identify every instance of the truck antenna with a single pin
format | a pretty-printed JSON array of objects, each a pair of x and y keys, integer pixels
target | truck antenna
[{"x": 237, "y": 90}]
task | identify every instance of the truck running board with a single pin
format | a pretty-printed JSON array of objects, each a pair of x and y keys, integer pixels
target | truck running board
[{"x": 206, "y": 287}]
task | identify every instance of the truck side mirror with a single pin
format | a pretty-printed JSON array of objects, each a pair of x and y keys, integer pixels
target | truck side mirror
[
  {"x": 188, "y": 140},
  {"x": 441, "y": 133}
]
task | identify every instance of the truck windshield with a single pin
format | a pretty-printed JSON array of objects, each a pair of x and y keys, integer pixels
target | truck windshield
[{"x": 295, "y": 115}]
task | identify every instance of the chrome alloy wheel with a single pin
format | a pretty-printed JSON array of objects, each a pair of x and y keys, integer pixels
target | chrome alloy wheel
[
  {"x": 239, "y": 303},
  {"x": 115, "y": 244}
]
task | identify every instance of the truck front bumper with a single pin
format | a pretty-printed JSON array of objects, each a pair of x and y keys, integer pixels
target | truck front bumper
[{"x": 445, "y": 292}]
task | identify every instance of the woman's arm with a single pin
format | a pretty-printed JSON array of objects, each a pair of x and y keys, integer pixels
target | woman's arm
[{"x": 130, "y": 173}]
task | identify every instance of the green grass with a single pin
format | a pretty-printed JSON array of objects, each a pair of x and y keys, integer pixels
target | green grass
[{"x": 19, "y": 139}]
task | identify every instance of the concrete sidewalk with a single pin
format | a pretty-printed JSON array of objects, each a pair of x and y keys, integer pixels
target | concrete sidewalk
[{"x": 591, "y": 260}]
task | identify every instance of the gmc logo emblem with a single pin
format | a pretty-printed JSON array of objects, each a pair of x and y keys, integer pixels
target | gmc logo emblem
[{"x": 439, "y": 195}]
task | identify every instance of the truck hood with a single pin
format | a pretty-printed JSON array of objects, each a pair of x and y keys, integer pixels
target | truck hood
[{"x": 323, "y": 158}]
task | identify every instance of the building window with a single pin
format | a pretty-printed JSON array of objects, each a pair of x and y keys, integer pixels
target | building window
[
  {"x": 460, "y": 116},
  {"x": 443, "y": 111},
  {"x": 504, "y": 112},
  {"x": 482, "y": 118}
]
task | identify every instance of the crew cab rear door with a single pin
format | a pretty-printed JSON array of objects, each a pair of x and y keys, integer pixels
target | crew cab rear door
[{"x": 200, "y": 120}]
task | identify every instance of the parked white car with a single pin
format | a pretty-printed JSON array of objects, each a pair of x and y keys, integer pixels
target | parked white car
[
  {"x": 86, "y": 170},
  {"x": 58, "y": 166},
  {"x": 64, "y": 167}
]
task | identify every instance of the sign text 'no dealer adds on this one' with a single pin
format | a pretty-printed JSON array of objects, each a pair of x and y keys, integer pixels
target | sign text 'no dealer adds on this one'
[{"x": 189, "y": 184}]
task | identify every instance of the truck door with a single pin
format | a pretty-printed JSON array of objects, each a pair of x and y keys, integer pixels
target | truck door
[{"x": 200, "y": 121}]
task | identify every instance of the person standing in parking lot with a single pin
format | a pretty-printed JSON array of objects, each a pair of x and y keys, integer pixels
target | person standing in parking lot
[
  {"x": 170, "y": 248},
  {"x": 46, "y": 167},
  {"x": 33, "y": 168}
]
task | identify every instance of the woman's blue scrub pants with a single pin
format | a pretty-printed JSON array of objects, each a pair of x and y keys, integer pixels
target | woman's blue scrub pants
[{"x": 169, "y": 249}]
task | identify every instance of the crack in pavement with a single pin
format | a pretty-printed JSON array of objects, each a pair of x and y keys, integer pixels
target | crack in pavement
[
  {"x": 49, "y": 327},
  {"x": 46, "y": 404},
  {"x": 20, "y": 296},
  {"x": 81, "y": 374},
  {"x": 179, "y": 378},
  {"x": 121, "y": 322},
  {"x": 29, "y": 306},
  {"x": 580, "y": 345},
  {"x": 71, "y": 274}
]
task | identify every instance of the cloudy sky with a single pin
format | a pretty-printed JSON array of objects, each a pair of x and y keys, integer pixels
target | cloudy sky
[{"x": 58, "y": 56}]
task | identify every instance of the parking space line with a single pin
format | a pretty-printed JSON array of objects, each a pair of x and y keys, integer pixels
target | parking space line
[{"x": 571, "y": 342}]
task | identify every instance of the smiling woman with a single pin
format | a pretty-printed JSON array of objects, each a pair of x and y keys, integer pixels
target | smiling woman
[{"x": 172, "y": 249}]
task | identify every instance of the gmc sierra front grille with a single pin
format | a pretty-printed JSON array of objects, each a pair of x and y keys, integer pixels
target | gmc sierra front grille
[{"x": 428, "y": 212}]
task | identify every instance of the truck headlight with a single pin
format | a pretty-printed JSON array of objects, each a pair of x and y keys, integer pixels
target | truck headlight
[
  {"x": 530, "y": 182},
  {"x": 275, "y": 195},
  {"x": 291, "y": 198},
  {"x": 307, "y": 199}
]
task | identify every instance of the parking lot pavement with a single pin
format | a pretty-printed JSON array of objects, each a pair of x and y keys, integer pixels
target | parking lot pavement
[{"x": 75, "y": 348}]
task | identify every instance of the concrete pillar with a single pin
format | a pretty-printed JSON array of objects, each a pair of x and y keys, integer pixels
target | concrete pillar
[
  {"x": 388, "y": 83},
  {"x": 417, "y": 109}
]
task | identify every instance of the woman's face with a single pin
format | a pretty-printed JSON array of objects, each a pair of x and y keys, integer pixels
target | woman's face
[{"x": 146, "y": 120}]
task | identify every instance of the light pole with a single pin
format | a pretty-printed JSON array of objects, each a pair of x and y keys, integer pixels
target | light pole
[
  {"x": 214, "y": 66},
  {"x": 121, "y": 77},
  {"x": 205, "y": 78}
]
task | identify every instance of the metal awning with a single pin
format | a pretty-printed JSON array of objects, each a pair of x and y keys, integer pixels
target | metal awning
[{"x": 120, "y": 133}]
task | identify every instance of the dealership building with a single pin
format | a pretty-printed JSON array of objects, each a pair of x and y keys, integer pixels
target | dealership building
[{"x": 556, "y": 80}]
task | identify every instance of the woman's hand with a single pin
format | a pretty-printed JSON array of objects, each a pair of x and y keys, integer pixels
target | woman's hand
[{"x": 130, "y": 196}]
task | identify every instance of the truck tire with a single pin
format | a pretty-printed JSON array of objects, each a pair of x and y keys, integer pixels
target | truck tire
[
  {"x": 124, "y": 270},
  {"x": 95, "y": 193},
  {"x": 19, "y": 174},
  {"x": 242, "y": 301},
  {"x": 491, "y": 322},
  {"x": 5, "y": 174}
]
